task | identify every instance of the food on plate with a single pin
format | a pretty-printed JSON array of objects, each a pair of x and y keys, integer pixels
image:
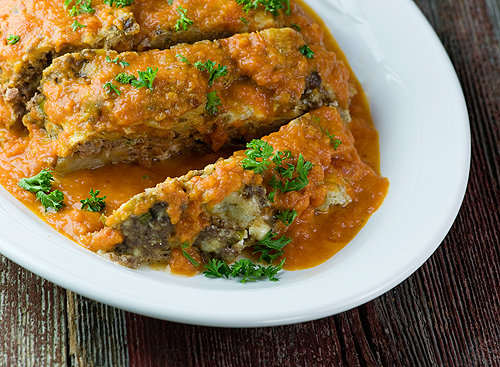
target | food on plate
[
  {"x": 123, "y": 125},
  {"x": 163, "y": 102},
  {"x": 45, "y": 29},
  {"x": 36, "y": 32},
  {"x": 235, "y": 203}
]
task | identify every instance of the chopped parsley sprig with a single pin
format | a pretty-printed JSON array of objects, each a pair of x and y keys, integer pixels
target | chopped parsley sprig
[
  {"x": 77, "y": 25},
  {"x": 244, "y": 268},
  {"x": 213, "y": 70},
  {"x": 212, "y": 102},
  {"x": 145, "y": 78},
  {"x": 306, "y": 51},
  {"x": 41, "y": 184},
  {"x": 81, "y": 6},
  {"x": 117, "y": 61},
  {"x": 119, "y": 3},
  {"x": 287, "y": 216},
  {"x": 273, "y": 6},
  {"x": 12, "y": 40},
  {"x": 93, "y": 203},
  {"x": 271, "y": 247},
  {"x": 183, "y": 23},
  {"x": 260, "y": 156}
]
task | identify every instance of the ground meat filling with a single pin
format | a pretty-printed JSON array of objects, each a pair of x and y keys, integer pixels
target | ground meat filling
[{"x": 146, "y": 237}]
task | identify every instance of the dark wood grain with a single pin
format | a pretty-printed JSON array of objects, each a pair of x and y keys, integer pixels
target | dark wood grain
[
  {"x": 446, "y": 314},
  {"x": 32, "y": 319}
]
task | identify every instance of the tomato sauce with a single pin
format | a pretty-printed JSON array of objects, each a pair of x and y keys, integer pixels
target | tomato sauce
[{"x": 316, "y": 237}]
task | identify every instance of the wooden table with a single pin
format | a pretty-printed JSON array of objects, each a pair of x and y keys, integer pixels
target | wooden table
[{"x": 446, "y": 314}]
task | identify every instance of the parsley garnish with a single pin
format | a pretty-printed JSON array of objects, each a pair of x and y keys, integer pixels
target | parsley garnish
[
  {"x": 77, "y": 25},
  {"x": 336, "y": 142},
  {"x": 214, "y": 71},
  {"x": 244, "y": 20},
  {"x": 260, "y": 156},
  {"x": 183, "y": 59},
  {"x": 170, "y": 2},
  {"x": 145, "y": 79},
  {"x": 307, "y": 52},
  {"x": 124, "y": 78},
  {"x": 243, "y": 268},
  {"x": 272, "y": 6},
  {"x": 40, "y": 185},
  {"x": 111, "y": 87},
  {"x": 81, "y": 6},
  {"x": 303, "y": 167},
  {"x": 93, "y": 204},
  {"x": 119, "y": 3},
  {"x": 257, "y": 156},
  {"x": 296, "y": 27},
  {"x": 122, "y": 63},
  {"x": 188, "y": 256},
  {"x": 53, "y": 199},
  {"x": 212, "y": 102},
  {"x": 271, "y": 247},
  {"x": 287, "y": 216},
  {"x": 12, "y": 40},
  {"x": 183, "y": 22},
  {"x": 39, "y": 182}
]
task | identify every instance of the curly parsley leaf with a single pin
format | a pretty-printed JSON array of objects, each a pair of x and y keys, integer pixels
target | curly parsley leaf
[
  {"x": 183, "y": 59},
  {"x": 212, "y": 102},
  {"x": 273, "y": 6},
  {"x": 306, "y": 51},
  {"x": 111, "y": 87},
  {"x": 12, "y": 40},
  {"x": 287, "y": 216},
  {"x": 51, "y": 200},
  {"x": 214, "y": 71},
  {"x": 217, "y": 268},
  {"x": 124, "y": 78},
  {"x": 81, "y": 6},
  {"x": 336, "y": 142},
  {"x": 271, "y": 247},
  {"x": 77, "y": 25},
  {"x": 257, "y": 156},
  {"x": 296, "y": 27},
  {"x": 93, "y": 204},
  {"x": 183, "y": 23},
  {"x": 117, "y": 61},
  {"x": 40, "y": 182},
  {"x": 244, "y": 268},
  {"x": 119, "y": 3},
  {"x": 145, "y": 78}
]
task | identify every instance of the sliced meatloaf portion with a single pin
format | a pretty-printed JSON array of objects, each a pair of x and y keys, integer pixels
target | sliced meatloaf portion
[
  {"x": 159, "y": 22},
  {"x": 266, "y": 83},
  {"x": 46, "y": 29},
  {"x": 225, "y": 208}
]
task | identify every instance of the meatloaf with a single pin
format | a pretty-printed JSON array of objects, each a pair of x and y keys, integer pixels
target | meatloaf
[
  {"x": 267, "y": 81},
  {"x": 211, "y": 20},
  {"x": 227, "y": 206},
  {"x": 46, "y": 29}
]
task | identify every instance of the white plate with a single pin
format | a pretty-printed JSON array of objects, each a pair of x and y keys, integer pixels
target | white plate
[{"x": 419, "y": 110}]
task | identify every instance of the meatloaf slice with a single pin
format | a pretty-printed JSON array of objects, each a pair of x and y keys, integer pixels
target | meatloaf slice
[
  {"x": 46, "y": 30},
  {"x": 267, "y": 82},
  {"x": 226, "y": 207},
  {"x": 211, "y": 20}
]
